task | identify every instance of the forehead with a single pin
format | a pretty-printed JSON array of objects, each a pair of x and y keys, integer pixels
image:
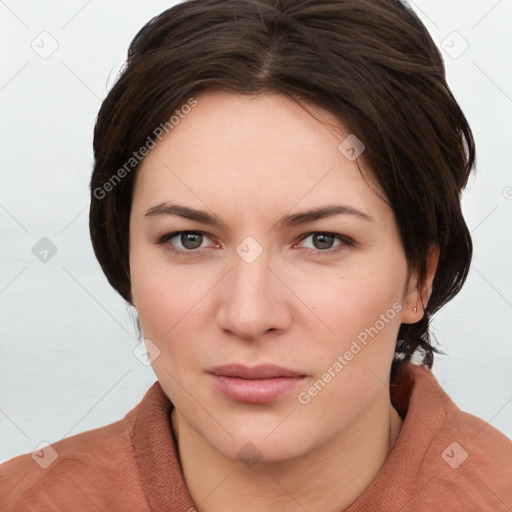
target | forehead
[{"x": 263, "y": 150}]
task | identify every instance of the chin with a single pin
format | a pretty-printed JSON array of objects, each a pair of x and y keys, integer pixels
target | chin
[
  {"x": 263, "y": 438},
  {"x": 252, "y": 449}
]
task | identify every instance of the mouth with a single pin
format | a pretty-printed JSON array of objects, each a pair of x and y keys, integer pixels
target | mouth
[{"x": 254, "y": 385}]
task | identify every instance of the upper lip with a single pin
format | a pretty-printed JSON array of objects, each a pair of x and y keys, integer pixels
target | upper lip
[{"x": 263, "y": 371}]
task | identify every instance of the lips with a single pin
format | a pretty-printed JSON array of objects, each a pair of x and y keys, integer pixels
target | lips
[
  {"x": 266, "y": 371},
  {"x": 254, "y": 385}
]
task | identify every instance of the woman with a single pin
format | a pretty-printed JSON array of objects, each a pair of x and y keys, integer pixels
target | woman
[{"x": 276, "y": 192}]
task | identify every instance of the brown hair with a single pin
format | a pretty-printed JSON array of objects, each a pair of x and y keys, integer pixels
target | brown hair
[{"x": 371, "y": 63}]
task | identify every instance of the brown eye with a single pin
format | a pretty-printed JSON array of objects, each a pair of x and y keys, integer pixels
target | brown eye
[
  {"x": 323, "y": 240},
  {"x": 186, "y": 242},
  {"x": 191, "y": 240}
]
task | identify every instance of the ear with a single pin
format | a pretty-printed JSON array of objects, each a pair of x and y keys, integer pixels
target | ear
[{"x": 418, "y": 294}]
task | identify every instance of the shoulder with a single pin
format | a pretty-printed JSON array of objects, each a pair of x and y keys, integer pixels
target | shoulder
[
  {"x": 76, "y": 473},
  {"x": 465, "y": 458},
  {"x": 477, "y": 458},
  {"x": 444, "y": 458}
]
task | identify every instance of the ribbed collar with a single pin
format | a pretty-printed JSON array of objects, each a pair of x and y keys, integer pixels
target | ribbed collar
[{"x": 157, "y": 454}]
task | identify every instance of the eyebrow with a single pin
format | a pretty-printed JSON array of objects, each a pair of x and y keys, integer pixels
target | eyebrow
[{"x": 294, "y": 219}]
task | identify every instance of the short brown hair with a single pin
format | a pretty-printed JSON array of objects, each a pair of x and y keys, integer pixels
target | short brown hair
[{"x": 372, "y": 63}]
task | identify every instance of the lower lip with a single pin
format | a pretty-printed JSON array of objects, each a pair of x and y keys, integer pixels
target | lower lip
[{"x": 255, "y": 391}]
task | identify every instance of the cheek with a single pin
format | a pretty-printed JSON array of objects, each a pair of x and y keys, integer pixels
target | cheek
[
  {"x": 163, "y": 302},
  {"x": 169, "y": 299},
  {"x": 352, "y": 298},
  {"x": 362, "y": 307}
]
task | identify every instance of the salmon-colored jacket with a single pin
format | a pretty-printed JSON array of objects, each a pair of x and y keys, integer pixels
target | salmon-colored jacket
[{"x": 444, "y": 460}]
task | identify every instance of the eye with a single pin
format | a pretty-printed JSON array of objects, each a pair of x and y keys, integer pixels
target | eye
[
  {"x": 325, "y": 242},
  {"x": 185, "y": 242},
  {"x": 193, "y": 242}
]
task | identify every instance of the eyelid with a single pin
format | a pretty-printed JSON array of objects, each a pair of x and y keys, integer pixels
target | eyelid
[
  {"x": 164, "y": 239},
  {"x": 345, "y": 240}
]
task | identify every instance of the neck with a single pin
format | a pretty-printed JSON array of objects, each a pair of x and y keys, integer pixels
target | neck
[{"x": 328, "y": 478}]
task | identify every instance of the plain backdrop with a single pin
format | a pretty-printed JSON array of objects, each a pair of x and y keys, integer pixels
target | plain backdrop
[{"x": 67, "y": 339}]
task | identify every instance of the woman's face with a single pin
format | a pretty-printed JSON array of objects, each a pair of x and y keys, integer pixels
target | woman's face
[{"x": 256, "y": 282}]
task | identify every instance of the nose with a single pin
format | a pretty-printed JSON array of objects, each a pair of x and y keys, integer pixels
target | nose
[{"x": 254, "y": 301}]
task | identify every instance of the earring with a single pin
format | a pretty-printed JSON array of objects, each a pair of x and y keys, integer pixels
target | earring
[{"x": 414, "y": 309}]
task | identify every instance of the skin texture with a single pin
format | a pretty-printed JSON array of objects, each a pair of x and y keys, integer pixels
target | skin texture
[{"x": 249, "y": 160}]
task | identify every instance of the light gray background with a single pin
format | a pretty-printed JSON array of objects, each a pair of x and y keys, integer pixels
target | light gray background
[{"x": 67, "y": 340}]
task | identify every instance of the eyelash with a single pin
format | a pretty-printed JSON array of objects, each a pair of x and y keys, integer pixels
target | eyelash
[{"x": 194, "y": 252}]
